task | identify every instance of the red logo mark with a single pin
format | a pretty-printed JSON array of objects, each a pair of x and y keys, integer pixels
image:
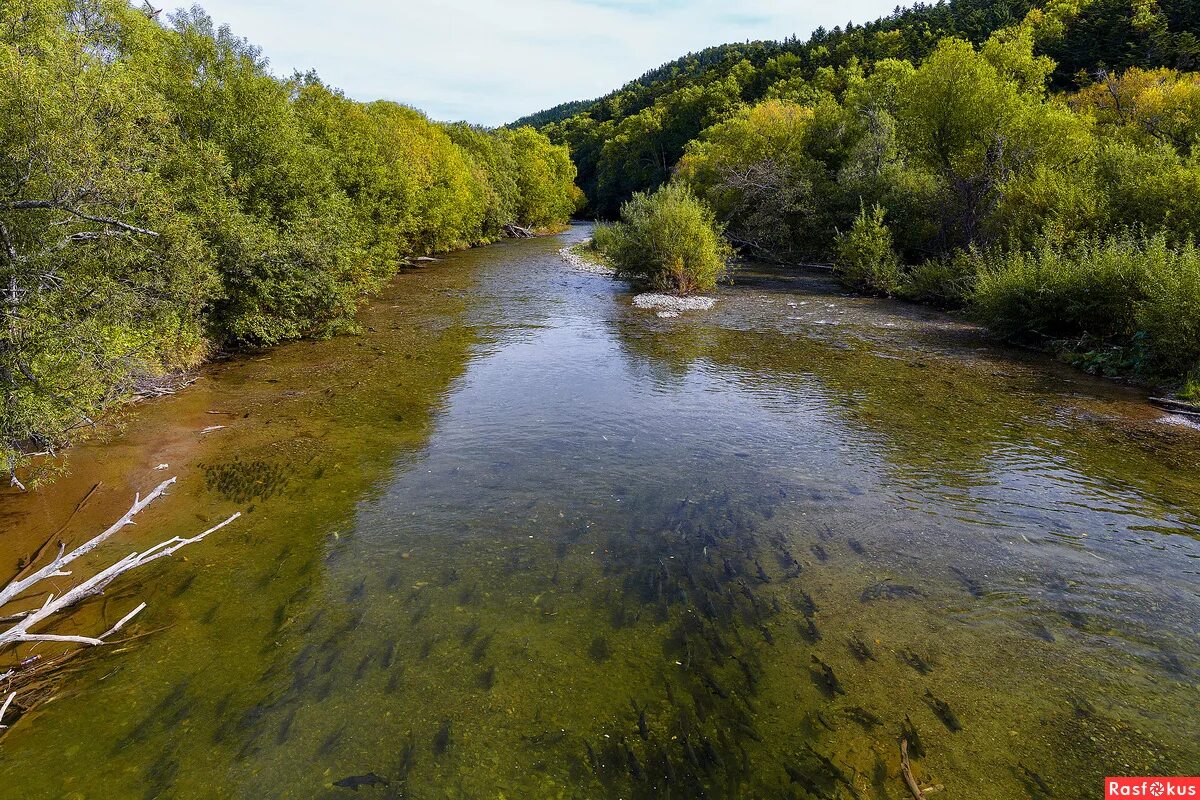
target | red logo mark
[{"x": 1154, "y": 788}]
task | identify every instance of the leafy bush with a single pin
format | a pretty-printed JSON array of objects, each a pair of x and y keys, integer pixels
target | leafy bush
[
  {"x": 1191, "y": 386},
  {"x": 1056, "y": 292},
  {"x": 1169, "y": 311},
  {"x": 668, "y": 240},
  {"x": 1142, "y": 294},
  {"x": 944, "y": 281},
  {"x": 866, "y": 260}
]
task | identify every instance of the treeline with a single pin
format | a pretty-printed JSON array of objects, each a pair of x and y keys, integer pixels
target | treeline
[
  {"x": 162, "y": 194},
  {"x": 631, "y": 139}
]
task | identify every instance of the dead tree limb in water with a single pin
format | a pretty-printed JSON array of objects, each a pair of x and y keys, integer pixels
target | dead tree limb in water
[
  {"x": 906, "y": 771},
  {"x": 518, "y": 232},
  {"x": 25, "y": 566},
  {"x": 54, "y": 568},
  {"x": 23, "y": 625}
]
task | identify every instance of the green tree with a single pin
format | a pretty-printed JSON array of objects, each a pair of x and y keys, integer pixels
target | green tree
[
  {"x": 545, "y": 178},
  {"x": 866, "y": 260}
]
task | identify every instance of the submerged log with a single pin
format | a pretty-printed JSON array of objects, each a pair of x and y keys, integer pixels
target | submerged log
[
  {"x": 1178, "y": 406},
  {"x": 910, "y": 781},
  {"x": 906, "y": 771}
]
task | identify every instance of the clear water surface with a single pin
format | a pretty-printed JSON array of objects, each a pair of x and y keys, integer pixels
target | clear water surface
[{"x": 517, "y": 539}]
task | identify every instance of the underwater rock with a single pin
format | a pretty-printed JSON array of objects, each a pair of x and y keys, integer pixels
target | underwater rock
[
  {"x": 886, "y": 590},
  {"x": 355, "y": 782}
]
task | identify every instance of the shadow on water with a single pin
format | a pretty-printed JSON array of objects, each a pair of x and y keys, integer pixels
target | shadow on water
[{"x": 520, "y": 540}]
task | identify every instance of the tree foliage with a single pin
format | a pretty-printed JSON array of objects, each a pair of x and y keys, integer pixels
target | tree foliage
[
  {"x": 631, "y": 139},
  {"x": 162, "y": 194}
]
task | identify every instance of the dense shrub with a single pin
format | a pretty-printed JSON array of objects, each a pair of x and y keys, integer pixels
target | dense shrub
[
  {"x": 1190, "y": 390},
  {"x": 944, "y": 281},
  {"x": 1133, "y": 292},
  {"x": 1057, "y": 292},
  {"x": 866, "y": 261},
  {"x": 1168, "y": 312},
  {"x": 668, "y": 240}
]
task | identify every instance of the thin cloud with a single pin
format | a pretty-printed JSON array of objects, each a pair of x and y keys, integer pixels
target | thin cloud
[{"x": 491, "y": 62}]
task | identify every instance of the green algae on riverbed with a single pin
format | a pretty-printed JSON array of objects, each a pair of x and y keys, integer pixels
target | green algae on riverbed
[{"x": 520, "y": 539}]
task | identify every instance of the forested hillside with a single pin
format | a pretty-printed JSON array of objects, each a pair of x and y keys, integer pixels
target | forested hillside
[
  {"x": 631, "y": 139},
  {"x": 163, "y": 194},
  {"x": 1037, "y": 166}
]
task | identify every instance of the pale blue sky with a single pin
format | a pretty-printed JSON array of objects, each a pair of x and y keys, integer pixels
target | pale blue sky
[{"x": 491, "y": 62}]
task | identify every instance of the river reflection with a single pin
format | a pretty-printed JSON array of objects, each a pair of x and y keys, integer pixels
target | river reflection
[{"x": 519, "y": 539}]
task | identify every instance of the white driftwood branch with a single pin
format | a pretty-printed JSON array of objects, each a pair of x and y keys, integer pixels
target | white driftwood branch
[
  {"x": 4, "y": 707},
  {"x": 22, "y": 624},
  {"x": 54, "y": 568},
  {"x": 122, "y": 622},
  {"x": 22, "y": 631}
]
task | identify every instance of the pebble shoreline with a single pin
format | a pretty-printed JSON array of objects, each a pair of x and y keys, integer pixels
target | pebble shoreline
[
  {"x": 579, "y": 262},
  {"x": 667, "y": 305}
]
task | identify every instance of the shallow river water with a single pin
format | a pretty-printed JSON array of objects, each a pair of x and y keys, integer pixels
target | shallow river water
[{"x": 518, "y": 539}]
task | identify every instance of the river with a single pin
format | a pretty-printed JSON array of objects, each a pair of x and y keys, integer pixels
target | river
[{"x": 519, "y": 539}]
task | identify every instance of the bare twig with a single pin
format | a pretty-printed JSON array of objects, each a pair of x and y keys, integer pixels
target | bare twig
[
  {"x": 33, "y": 559},
  {"x": 49, "y": 205},
  {"x": 121, "y": 623},
  {"x": 4, "y": 707}
]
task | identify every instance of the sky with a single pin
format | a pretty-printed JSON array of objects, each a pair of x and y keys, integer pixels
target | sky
[{"x": 492, "y": 61}]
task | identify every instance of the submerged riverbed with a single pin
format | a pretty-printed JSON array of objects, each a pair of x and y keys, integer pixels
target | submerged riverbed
[{"x": 520, "y": 539}]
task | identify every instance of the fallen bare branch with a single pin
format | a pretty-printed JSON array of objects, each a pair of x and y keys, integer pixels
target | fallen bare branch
[
  {"x": 518, "y": 232},
  {"x": 21, "y": 632},
  {"x": 54, "y": 568},
  {"x": 37, "y": 682},
  {"x": 914, "y": 788},
  {"x": 906, "y": 770}
]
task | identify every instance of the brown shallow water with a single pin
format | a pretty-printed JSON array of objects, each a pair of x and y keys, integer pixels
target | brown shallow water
[{"x": 518, "y": 539}]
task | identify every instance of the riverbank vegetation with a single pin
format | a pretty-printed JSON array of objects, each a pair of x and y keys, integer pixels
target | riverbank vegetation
[
  {"x": 1033, "y": 163},
  {"x": 163, "y": 195},
  {"x": 668, "y": 240}
]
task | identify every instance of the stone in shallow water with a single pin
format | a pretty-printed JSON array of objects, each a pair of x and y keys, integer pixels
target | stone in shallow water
[{"x": 666, "y": 304}]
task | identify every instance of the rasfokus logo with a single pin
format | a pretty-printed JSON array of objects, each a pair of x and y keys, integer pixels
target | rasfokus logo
[{"x": 1151, "y": 787}]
